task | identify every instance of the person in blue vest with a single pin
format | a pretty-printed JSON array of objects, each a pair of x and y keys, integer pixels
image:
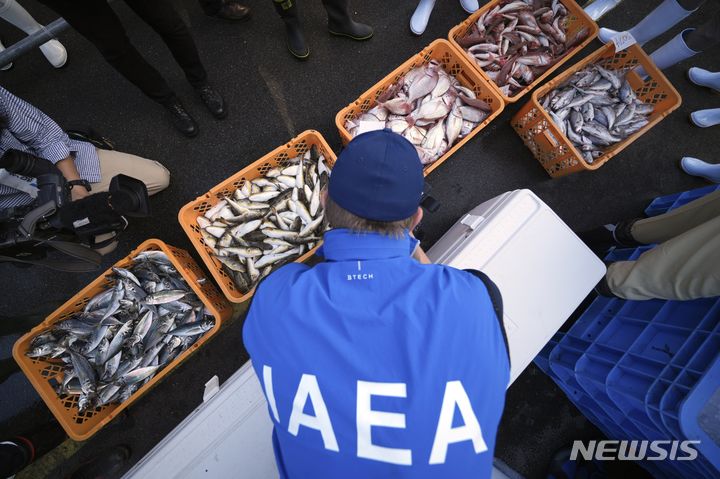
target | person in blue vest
[{"x": 375, "y": 363}]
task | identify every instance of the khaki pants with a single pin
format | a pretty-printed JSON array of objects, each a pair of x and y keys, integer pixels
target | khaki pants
[
  {"x": 155, "y": 176},
  {"x": 686, "y": 263}
]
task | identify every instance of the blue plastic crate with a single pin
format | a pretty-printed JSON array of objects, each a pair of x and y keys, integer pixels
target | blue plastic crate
[
  {"x": 646, "y": 369},
  {"x": 663, "y": 204},
  {"x": 700, "y": 414}
]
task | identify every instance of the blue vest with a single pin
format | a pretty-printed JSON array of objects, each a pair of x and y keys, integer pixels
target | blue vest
[{"x": 377, "y": 366}]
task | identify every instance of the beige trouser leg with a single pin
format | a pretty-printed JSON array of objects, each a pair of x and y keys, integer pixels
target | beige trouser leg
[
  {"x": 669, "y": 225},
  {"x": 682, "y": 268},
  {"x": 155, "y": 176}
]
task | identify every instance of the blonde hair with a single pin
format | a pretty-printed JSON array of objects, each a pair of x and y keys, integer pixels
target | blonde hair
[{"x": 339, "y": 217}]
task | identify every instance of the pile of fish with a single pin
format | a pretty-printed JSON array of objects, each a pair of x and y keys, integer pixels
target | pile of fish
[
  {"x": 126, "y": 334},
  {"x": 269, "y": 221},
  {"x": 427, "y": 106},
  {"x": 596, "y": 108},
  {"x": 517, "y": 41}
]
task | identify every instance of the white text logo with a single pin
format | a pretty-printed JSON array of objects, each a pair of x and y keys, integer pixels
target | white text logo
[{"x": 635, "y": 450}]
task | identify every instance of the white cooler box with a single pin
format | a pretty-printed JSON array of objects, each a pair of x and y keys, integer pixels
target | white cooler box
[{"x": 543, "y": 270}]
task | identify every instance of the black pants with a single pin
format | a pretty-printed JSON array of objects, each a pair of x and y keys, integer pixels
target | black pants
[
  {"x": 211, "y": 7},
  {"x": 706, "y": 35},
  {"x": 96, "y": 21}
]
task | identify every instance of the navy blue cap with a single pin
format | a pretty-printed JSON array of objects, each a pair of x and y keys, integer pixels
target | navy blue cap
[{"x": 378, "y": 176}]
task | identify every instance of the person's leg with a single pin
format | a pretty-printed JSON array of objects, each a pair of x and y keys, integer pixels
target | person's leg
[
  {"x": 341, "y": 22},
  {"x": 99, "y": 24},
  {"x": 162, "y": 16},
  {"x": 635, "y": 232},
  {"x": 683, "y": 268},
  {"x": 225, "y": 9},
  {"x": 705, "y": 118},
  {"x": 155, "y": 176},
  {"x": 697, "y": 167},
  {"x": 706, "y": 78},
  {"x": 421, "y": 16},
  {"x": 657, "y": 22},
  {"x": 294, "y": 37},
  {"x": 673, "y": 223},
  {"x": 687, "y": 43},
  {"x": 470, "y": 6},
  {"x": 12, "y": 12}
]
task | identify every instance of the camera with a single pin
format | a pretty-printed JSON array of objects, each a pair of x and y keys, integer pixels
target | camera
[{"x": 27, "y": 230}]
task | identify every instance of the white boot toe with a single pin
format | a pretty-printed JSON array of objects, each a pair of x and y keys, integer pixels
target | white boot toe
[{"x": 55, "y": 53}]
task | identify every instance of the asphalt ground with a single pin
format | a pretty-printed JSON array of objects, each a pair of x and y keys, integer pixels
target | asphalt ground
[{"x": 272, "y": 97}]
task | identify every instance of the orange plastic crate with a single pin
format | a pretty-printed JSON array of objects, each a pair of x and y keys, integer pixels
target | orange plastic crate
[
  {"x": 278, "y": 157},
  {"x": 553, "y": 149},
  {"x": 43, "y": 373},
  {"x": 454, "y": 63},
  {"x": 576, "y": 19}
]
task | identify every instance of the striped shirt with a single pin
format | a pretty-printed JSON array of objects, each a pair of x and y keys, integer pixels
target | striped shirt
[{"x": 23, "y": 127}]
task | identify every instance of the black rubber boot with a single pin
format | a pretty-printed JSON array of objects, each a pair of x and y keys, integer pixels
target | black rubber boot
[
  {"x": 340, "y": 21},
  {"x": 295, "y": 40}
]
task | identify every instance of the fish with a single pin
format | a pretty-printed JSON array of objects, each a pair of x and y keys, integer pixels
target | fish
[
  {"x": 518, "y": 41},
  {"x": 165, "y": 296},
  {"x": 193, "y": 328},
  {"x": 422, "y": 106},
  {"x": 277, "y": 215},
  {"x": 105, "y": 356},
  {"x": 596, "y": 108}
]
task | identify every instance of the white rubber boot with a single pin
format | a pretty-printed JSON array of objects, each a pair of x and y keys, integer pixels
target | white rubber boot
[
  {"x": 9, "y": 65},
  {"x": 598, "y": 8},
  {"x": 674, "y": 51},
  {"x": 55, "y": 53},
  {"x": 14, "y": 13},
  {"x": 706, "y": 118},
  {"x": 419, "y": 19},
  {"x": 657, "y": 22},
  {"x": 469, "y": 5},
  {"x": 693, "y": 166},
  {"x": 705, "y": 78}
]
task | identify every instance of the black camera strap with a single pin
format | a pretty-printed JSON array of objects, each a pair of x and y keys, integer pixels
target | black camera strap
[{"x": 82, "y": 259}]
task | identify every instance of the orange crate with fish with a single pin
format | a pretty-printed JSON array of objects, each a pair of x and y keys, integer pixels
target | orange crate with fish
[
  {"x": 261, "y": 217},
  {"x": 436, "y": 99},
  {"x": 48, "y": 375},
  {"x": 516, "y": 44},
  {"x": 594, "y": 110}
]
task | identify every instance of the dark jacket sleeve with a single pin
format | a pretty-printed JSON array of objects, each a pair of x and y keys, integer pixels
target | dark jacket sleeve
[{"x": 497, "y": 302}]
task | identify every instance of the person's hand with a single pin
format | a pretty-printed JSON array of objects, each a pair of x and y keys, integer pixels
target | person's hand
[{"x": 78, "y": 193}]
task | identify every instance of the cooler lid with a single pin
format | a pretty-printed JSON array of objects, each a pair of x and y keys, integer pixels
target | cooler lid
[{"x": 543, "y": 270}]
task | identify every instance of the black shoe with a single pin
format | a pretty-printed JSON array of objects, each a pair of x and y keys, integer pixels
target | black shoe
[
  {"x": 181, "y": 119},
  {"x": 341, "y": 23},
  {"x": 106, "y": 464},
  {"x": 605, "y": 237},
  {"x": 294, "y": 38},
  {"x": 213, "y": 101},
  {"x": 232, "y": 11},
  {"x": 603, "y": 289}
]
